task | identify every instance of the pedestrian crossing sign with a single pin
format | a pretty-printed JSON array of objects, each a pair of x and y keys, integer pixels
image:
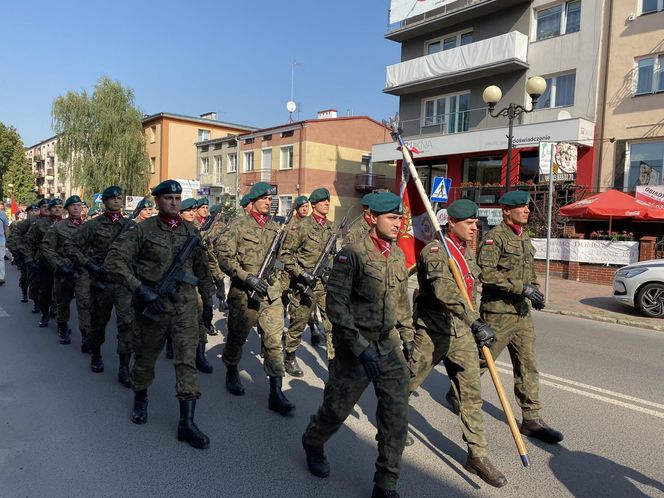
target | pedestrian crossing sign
[
  {"x": 96, "y": 198},
  {"x": 440, "y": 189}
]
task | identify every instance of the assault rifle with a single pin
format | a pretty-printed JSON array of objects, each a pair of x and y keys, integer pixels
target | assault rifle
[
  {"x": 271, "y": 257},
  {"x": 169, "y": 284},
  {"x": 322, "y": 262}
]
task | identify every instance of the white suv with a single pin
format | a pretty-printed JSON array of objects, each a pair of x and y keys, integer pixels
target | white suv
[{"x": 641, "y": 285}]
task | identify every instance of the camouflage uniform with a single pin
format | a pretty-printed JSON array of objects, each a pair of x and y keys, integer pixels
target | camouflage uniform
[
  {"x": 303, "y": 246},
  {"x": 43, "y": 275},
  {"x": 202, "y": 329},
  {"x": 142, "y": 256},
  {"x": 16, "y": 238},
  {"x": 367, "y": 303},
  {"x": 66, "y": 287},
  {"x": 241, "y": 251},
  {"x": 442, "y": 333},
  {"x": 358, "y": 231},
  {"x": 506, "y": 261},
  {"x": 91, "y": 242}
]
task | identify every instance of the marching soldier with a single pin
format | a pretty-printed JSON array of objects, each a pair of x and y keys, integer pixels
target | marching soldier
[
  {"x": 209, "y": 238},
  {"x": 360, "y": 228},
  {"x": 302, "y": 248},
  {"x": 33, "y": 273},
  {"x": 69, "y": 280},
  {"x": 506, "y": 259},
  {"x": 146, "y": 211},
  {"x": 88, "y": 246},
  {"x": 139, "y": 261},
  {"x": 17, "y": 233},
  {"x": 202, "y": 209},
  {"x": 447, "y": 330},
  {"x": 241, "y": 251},
  {"x": 367, "y": 303}
]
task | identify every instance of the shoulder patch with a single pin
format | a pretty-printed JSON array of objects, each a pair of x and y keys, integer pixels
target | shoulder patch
[
  {"x": 488, "y": 242},
  {"x": 434, "y": 249}
]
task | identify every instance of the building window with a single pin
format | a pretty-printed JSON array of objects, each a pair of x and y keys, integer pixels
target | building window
[
  {"x": 248, "y": 161},
  {"x": 558, "y": 20},
  {"x": 217, "y": 168},
  {"x": 266, "y": 159},
  {"x": 205, "y": 165},
  {"x": 203, "y": 135},
  {"x": 285, "y": 204},
  {"x": 559, "y": 91},
  {"x": 232, "y": 163},
  {"x": 286, "y": 161},
  {"x": 248, "y": 141},
  {"x": 528, "y": 166},
  {"x": 483, "y": 170},
  {"x": 448, "y": 42},
  {"x": 153, "y": 163},
  {"x": 649, "y": 75},
  {"x": 153, "y": 134},
  {"x": 645, "y": 164},
  {"x": 217, "y": 146},
  {"x": 365, "y": 165},
  {"x": 648, "y": 6},
  {"x": 451, "y": 113},
  {"x": 288, "y": 133},
  {"x": 267, "y": 138}
]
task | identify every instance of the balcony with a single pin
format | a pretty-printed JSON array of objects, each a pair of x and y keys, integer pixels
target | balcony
[
  {"x": 37, "y": 156},
  {"x": 500, "y": 54},
  {"x": 367, "y": 182},
  {"x": 251, "y": 177},
  {"x": 448, "y": 15}
]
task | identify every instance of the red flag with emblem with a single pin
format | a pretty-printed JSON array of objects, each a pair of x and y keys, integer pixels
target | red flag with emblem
[{"x": 13, "y": 206}]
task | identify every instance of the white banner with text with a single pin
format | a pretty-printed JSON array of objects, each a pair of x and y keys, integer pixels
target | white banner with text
[{"x": 589, "y": 251}]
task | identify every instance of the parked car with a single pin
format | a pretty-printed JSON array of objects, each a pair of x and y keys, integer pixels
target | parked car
[{"x": 641, "y": 285}]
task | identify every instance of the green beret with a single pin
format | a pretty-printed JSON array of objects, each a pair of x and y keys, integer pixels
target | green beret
[
  {"x": 203, "y": 201},
  {"x": 146, "y": 203},
  {"x": 188, "y": 204},
  {"x": 32, "y": 206},
  {"x": 320, "y": 194},
  {"x": 244, "y": 201},
  {"x": 111, "y": 192},
  {"x": 462, "y": 209},
  {"x": 515, "y": 198},
  {"x": 167, "y": 187},
  {"x": 214, "y": 209},
  {"x": 73, "y": 199},
  {"x": 42, "y": 202},
  {"x": 366, "y": 198},
  {"x": 55, "y": 202},
  {"x": 301, "y": 200},
  {"x": 386, "y": 202},
  {"x": 260, "y": 189}
]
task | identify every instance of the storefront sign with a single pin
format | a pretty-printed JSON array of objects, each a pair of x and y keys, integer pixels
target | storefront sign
[
  {"x": 493, "y": 216},
  {"x": 603, "y": 252},
  {"x": 652, "y": 195},
  {"x": 564, "y": 161},
  {"x": 189, "y": 187}
]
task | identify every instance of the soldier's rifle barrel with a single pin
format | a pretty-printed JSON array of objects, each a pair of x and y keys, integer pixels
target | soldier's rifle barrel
[
  {"x": 322, "y": 262},
  {"x": 486, "y": 352}
]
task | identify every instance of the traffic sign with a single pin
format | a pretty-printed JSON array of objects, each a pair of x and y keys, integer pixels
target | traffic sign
[
  {"x": 440, "y": 189},
  {"x": 97, "y": 198}
]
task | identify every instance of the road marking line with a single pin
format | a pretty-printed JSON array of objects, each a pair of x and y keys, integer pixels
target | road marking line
[
  {"x": 3, "y": 313},
  {"x": 592, "y": 388},
  {"x": 597, "y": 397}
]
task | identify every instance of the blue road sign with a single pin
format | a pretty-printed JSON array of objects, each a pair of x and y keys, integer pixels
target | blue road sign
[
  {"x": 440, "y": 189},
  {"x": 96, "y": 198}
]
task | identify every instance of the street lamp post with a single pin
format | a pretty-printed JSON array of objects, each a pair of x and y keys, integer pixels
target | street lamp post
[{"x": 535, "y": 87}]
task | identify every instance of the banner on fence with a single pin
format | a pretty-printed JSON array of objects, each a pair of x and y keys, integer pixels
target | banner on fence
[{"x": 589, "y": 251}]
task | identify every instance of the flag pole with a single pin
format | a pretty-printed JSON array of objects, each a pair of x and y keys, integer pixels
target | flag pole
[{"x": 486, "y": 352}]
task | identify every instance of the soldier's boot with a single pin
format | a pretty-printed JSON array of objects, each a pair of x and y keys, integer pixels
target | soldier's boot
[
  {"x": 139, "y": 413},
  {"x": 63, "y": 333},
  {"x": 233, "y": 384},
  {"x": 316, "y": 461},
  {"x": 484, "y": 469},
  {"x": 169, "y": 348},
  {"x": 317, "y": 339},
  {"x": 85, "y": 347},
  {"x": 35, "y": 308},
  {"x": 453, "y": 401},
  {"x": 540, "y": 430},
  {"x": 52, "y": 311},
  {"x": 96, "y": 363},
  {"x": 202, "y": 364},
  {"x": 24, "y": 297},
  {"x": 123, "y": 372},
  {"x": 379, "y": 492},
  {"x": 409, "y": 439},
  {"x": 187, "y": 429},
  {"x": 292, "y": 366},
  {"x": 212, "y": 330},
  {"x": 277, "y": 401}
]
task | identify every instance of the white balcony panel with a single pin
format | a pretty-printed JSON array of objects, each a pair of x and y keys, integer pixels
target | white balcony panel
[{"x": 510, "y": 49}]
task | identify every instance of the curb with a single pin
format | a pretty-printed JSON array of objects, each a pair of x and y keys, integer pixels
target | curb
[{"x": 606, "y": 319}]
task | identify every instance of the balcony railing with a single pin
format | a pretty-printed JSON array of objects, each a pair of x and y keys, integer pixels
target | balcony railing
[
  {"x": 366, "y": 182},
  {"x": 450, "y": 123},
  {"x": 495, "y": 55},
  {"x": 265, "y": 175}
]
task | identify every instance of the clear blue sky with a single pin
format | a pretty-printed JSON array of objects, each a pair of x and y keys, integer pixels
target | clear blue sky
[{"x": 191, "y": 57}]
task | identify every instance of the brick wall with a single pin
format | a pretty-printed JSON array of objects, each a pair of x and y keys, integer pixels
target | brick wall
[{"x": 581, "y": 272}]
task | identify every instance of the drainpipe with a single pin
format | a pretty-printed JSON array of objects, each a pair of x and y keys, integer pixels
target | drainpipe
[
  {"x": 603, "y": 78},
  {"x": 237, "y": 173},
  {"x": 299, "y": 165}
]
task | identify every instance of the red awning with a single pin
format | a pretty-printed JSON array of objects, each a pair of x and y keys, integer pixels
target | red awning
[{"x": 612, "y": 204}]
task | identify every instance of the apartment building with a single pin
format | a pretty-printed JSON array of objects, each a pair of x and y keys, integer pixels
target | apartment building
[
  {"x": 217, "y": 167},
  {"x": 451, "y": 53},
  {"x": 632, "y": 125},
  {"x": 48, "y": 170}
]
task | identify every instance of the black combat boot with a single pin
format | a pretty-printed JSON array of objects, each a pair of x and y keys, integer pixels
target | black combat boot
[
  {"x": 316, "y": 461},
  {"x": 277, "y": 401},
  {"x": 453, "y": 401},
  {"x": 409, "y": 439},
  {"x": 24, "y": 297},
  {"x": 35, "y": 308},
  {"x": 123, "y": 372},
  {"x": 139, "y": 414},
  {"x": 233, "y": 384},
  {"x": 43, "y": 322},
  {"x": 96, "y": 363},
  {"x": 212, "y": 330},
  {"x": 379, "y": 492},
  {"x": 187, "y": 429},
  {"x": 169, "y": 348},
  {"x": 292, "y": 366},
  {"x": 202, "y": 364},
  {"x": 484, "y": 469},
  {"x": 540, "y": 430},
  {"x": 63, "y": 333},
  {"x": 85, "y": 348},
  {"x": 52, "y": 311},
  {"x": 317, "y": 339}
]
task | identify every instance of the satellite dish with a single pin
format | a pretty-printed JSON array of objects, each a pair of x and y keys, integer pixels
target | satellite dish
[
  {"x": 291, "y": 106},
  {"x": 564, "y": 115}
]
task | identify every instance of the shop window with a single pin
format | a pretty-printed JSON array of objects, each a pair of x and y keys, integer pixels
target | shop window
[
  {"x": 482, "y": 178},
  {"x": 529, "y": 166},
  {"x": 645, "y": 164}
]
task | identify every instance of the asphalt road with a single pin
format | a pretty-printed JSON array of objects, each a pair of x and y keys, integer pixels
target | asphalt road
[{"x": 65, "y": 431}]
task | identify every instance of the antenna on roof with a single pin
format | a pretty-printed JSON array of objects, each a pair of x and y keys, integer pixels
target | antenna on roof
[{"x": 291, "y": 106}]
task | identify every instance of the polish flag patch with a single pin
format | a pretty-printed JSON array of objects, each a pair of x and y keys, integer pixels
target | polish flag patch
[
  {"x": 342, "y": 259},
  {"x": 488, "y": 242},
  {"x": 435, "y": 249}
]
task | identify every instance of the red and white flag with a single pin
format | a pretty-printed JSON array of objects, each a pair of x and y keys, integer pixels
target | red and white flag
[{"x": 13, "y": 206}]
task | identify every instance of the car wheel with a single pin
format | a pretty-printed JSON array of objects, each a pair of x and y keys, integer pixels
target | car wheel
[{"x": 650, "y": 300}]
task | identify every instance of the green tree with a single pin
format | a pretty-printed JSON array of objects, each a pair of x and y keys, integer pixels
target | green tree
[
  {"x": 100, "y": 139},
  {"x": 14, "y": 167}
]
